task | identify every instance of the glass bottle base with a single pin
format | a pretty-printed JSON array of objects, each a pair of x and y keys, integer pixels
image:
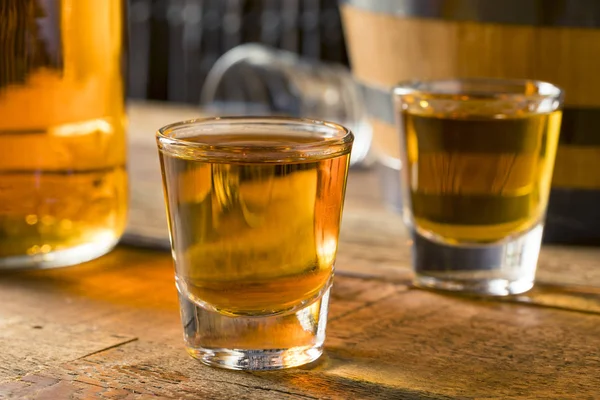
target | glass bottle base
[{"x": 60, "y": 258}]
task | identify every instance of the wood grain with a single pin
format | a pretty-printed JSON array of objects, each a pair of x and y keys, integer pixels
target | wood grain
[
  {"x": 406, "y": 345},
  {"x": 457, "y": 347},
  {"x": 31, "y": 344},
  {"x": 386, "y": 49}
]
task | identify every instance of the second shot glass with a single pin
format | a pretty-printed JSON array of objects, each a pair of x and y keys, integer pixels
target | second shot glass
[{"x": 477, "y": 156}]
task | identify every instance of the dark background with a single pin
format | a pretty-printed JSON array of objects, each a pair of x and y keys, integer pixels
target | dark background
[{"x": 174, "y": 43}]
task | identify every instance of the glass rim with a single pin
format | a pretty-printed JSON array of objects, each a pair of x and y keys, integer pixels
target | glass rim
[
  {"x": 544, "y": 90},
  {"x": 333, "y": 139}
]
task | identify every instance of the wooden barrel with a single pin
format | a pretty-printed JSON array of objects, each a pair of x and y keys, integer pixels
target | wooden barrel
[{"x": 551, "y": 40}]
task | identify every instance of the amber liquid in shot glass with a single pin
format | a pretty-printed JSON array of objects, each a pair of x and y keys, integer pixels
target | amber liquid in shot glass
[
  {"x": 254, "y": 218},
  {"x": 478, "y": 156}
]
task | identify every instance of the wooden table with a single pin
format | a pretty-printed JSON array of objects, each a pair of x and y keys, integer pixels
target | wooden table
[{"x": 110, "y": 329}]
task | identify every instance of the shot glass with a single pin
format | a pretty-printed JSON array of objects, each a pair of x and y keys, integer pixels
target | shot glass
[
  {"x": 478, "y": 156},
  {"x": 254, "y": 208}
]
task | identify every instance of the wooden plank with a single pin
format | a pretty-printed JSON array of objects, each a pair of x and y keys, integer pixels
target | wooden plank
[
  {"x": 52, "y": 316},
  {"x": 170, "y": 373},
  {"x": 129, "y": 291},
  {"x": 351, "y": 294},
  {"x": 412, "y": 344},
  {"x": 34, "y": 344},
  {"x": 454, "y": 346},
  {"x": 118, "y": 290}
]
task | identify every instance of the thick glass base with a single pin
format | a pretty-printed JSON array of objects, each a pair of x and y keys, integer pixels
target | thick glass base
[
  {"x": 490, "y": 287},
  {"x": 256, "y": 360},
  {"x": 60, "y": 258},
  {"x": 257, "y": 343},
  {"x": 498, "y": 269}
]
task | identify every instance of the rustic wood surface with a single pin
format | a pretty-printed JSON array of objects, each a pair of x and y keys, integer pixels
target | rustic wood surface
[{"x": 110, "y": 329}]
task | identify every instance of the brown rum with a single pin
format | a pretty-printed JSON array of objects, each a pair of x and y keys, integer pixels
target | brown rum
[
  {"x": 478, "y": 179},
  {"x": 254, "y": 238}
]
